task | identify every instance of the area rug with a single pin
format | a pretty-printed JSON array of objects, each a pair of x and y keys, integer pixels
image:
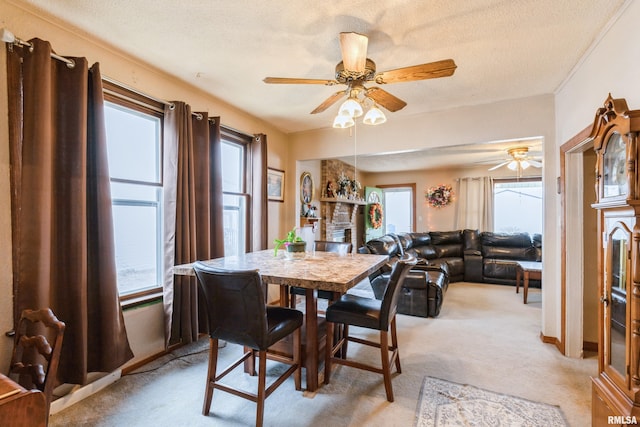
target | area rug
[{"x": 446, "y": 404}]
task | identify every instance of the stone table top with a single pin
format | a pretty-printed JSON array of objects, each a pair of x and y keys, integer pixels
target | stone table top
[
  {"x": 326, "y": 271},
  {"x": 530, "y": 265}
]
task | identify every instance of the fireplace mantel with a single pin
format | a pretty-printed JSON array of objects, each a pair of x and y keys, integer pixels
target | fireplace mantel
[{"x": 339, "y": 200}]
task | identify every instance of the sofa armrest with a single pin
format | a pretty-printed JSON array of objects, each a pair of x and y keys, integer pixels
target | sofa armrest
[
  {"x": 472, "y": 266},
  {"x": 431, "y": 267},
  {"x": 415, "y": 279}
]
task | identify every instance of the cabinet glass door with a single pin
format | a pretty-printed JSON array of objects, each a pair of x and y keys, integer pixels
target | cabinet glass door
[
  {"x": 616, "y": 296},
  {"x": 614, "y": 167}
]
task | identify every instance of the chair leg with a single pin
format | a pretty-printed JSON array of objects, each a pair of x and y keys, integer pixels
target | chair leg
[
  {"x": 328, "y": 352},
  {"x": 262, "y": 374},
  {"x": 297, "y": 358},
  {"x": 394, "y": 344},
  {"x": 250, "y": 363},
  {"x": 386, "y": 369},
  {"x": 345, "y": 335},
  {"x": 211, "y": 375}
]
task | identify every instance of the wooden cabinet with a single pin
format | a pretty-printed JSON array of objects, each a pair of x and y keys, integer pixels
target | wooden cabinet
[
  {"x": 20, "y": 407},
  {"x": 616, "y": 389}
]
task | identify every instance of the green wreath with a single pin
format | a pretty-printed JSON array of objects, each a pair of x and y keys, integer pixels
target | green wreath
[{"x": 375, "y": 215}]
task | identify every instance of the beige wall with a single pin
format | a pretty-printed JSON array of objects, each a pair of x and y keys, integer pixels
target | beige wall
[
  {"x": 144, "y": 325},
  {"x": 427, "y": 217}
]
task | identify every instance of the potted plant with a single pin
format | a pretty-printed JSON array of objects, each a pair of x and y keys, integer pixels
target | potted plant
[{"x": 293, "y": 244}]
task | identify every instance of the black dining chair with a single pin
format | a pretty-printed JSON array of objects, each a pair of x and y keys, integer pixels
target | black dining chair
[
  {"x": 321, "y": 246},
  {"x": 237, "y": 313},
  {"x": 368, "y": 313}
]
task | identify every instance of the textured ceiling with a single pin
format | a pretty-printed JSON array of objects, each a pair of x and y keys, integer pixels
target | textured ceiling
[{"x": 504, "y": 49}]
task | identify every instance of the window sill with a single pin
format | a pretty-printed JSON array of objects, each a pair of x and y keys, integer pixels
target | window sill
[{"x": 138, "y": 301}]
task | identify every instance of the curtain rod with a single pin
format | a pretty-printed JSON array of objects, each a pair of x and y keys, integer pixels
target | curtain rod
[
  {"x": 9, "y": 38},
  {"x": 171, "y": 105}
]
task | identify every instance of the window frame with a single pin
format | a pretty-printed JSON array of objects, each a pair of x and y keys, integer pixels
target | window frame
[
  {"x": 228, "y": 135},
  {"x": 135, "y": 101}
]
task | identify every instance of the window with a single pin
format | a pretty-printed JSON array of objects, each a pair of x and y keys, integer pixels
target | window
[
  {"x": 235, "y": 194},
  {"x": 399, "y": 208},
  {"x": 517, "y": 206},
  {"x": 134, "y": 145}
]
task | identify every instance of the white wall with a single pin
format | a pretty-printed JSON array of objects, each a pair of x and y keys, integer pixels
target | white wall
[
  {"x": 610, "y": 67},
  {"x": 511, "y": 119}
]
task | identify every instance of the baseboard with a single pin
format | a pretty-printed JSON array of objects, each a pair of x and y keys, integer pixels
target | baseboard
[
  {"x": 132, "y": 367},
  {"x": 552, "y": 340},
  {"x": 72, "y": 394},
  {"x": 82, "y": 392},
  {"x": 590, "y": 346}
]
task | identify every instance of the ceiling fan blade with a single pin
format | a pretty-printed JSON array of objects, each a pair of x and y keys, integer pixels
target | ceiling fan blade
[
  {"x": 432, "y": 70},
  {"x": 534, "y": 163},
  {"x": 385, "y": 99},
  {"x": 328, "y": 102},
  {"x": 500, "y": 165},
  {"x": 354, "y": 51},
  {"x": 286, "y": 80}
]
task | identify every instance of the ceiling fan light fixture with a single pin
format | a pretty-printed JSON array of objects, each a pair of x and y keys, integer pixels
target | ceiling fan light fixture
[
  {"x": 524, "y": 164},
  {"x": 351, "y": 107},
  {"x": 343, "y": 121},
  {"x": 354, "y": 51},
  {"x": 374, "y": 116},
  {"x": 513, "y": 165}
]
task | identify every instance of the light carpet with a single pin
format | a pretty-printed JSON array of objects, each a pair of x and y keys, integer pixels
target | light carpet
[
  {"x": 484, "y": 336},
  {"x": 448, "y": 404}
]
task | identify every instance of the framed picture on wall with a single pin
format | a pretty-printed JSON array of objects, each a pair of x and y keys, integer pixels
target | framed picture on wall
[
  {"x": 275, "y": 185},
  {"x": 306, "y": 188}
]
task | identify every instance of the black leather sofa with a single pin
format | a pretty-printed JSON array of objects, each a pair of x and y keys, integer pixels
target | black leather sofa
[{"x": 450, "y": 256}]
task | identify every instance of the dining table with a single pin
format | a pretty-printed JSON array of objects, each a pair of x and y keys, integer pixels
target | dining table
[{"x": 315, "y": 271}]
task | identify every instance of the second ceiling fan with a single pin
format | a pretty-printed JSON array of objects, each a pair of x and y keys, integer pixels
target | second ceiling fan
[
  {"x": 355, "y": 70},
  {"x": 518, "y": 160}
]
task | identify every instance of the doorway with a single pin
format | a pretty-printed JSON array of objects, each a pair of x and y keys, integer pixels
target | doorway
[{"x": 579, "y": 304}]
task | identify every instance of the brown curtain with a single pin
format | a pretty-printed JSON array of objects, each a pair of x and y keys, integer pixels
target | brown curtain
[
  {"x": 259, "y": 203},
  {"x": 193, "y": 146},
  {"x": 63, "y": 245}
]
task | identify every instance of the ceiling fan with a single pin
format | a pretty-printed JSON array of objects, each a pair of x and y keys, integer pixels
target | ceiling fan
[
  {"x": 519, "y": 160},
  {"x": 356, "y": 69}
]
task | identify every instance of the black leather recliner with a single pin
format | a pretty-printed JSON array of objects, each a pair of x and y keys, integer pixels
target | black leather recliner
[
  {"x": 500, "y": 251},
  {"x": 424, "y": 287},
  {"x": 457, "y": 255}
]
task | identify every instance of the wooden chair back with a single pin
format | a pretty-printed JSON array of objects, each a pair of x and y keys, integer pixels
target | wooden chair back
[{"x": 36, "y": 351}]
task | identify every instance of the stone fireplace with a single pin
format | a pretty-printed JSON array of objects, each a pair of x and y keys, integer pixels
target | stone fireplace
[{"x": 341, "y": 219}]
